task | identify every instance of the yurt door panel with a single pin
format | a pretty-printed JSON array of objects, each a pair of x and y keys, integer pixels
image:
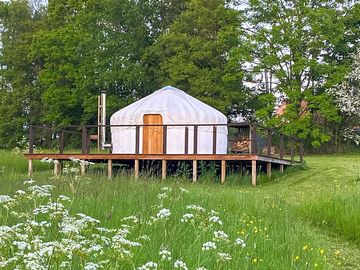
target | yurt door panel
[{"x": 153, "y": 135}]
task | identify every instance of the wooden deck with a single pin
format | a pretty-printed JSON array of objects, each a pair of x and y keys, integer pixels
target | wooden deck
[{"x": 256, "y": 153}]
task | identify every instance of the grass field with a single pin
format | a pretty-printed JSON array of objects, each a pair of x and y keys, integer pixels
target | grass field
[{"x": 307, "y": 218}]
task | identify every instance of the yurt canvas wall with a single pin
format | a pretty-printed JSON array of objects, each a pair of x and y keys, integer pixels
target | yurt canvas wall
[{"x": 166, "y": 106}]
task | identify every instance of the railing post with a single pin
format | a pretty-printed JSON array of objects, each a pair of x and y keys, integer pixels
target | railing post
[
  {"x": 61, "y": 142},
  {"x": 164, "y": 138},
  {"x": 195, "y": 138},
  {"x": 281, "y": 146},
  {"x": 292, "y": 149},
  {"x": 137, "y": 140},
  {"x": 186, "y": 140},
  {"x": 268, "y": 142},
  {"x": 253, "y": 138},
  {"x": 31, "y": 139},
  {"x": 301, "y": 150},
  {"x": 84, "y": 139},
  {"x": 214, "y": 139}
]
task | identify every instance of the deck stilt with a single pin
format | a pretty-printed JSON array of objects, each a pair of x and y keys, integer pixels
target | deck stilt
[
  {"x": 253, "y": 172},
  {"x": 82, "y": 169},
  {"x": 57, "y": 168},
  {"x": 281, "y": 168},
  {"x": 30, "y": 168},
  {"x": 110, "y": 169},
  {"x": 240, "y": 168},
  {"x": 163, "y": 169},
  {"x": 194, "y": 171},
  {"x": 268, "y": 169},
  {"x": 223, "y": 171},
  {"x": 136, "y": 169}
]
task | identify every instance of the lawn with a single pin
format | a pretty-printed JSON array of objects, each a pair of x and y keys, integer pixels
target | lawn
[{"x": 307, "y": 218}]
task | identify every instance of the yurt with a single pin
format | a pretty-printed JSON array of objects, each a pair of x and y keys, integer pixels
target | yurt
[{"x": 167, "y": 106}]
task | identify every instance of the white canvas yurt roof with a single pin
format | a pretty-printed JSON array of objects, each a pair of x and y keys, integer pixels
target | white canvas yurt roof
[{"x": 174, "y": 105}]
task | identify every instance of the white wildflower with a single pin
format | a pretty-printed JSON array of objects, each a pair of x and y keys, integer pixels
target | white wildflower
[
  {"x": 64, "y": 198},
  {"x": 148, "y": 266},
  {"x": 5, "y": 199},
  {"x": 162, "y": 196},
  {"x": 163, "y": 213},
  {"x": 187, "y": 218},
  {"x": 133, "y": 219},
  {"x": 201, "y": 268},
  {"x": 179, "y": 264},
  {"x": 196, "y": 208},
  {"x": 166, "y": 189},
  {"x": 224, "y": 257},
  {"x": 29, "y": 182},
  {"x": 215, "y": 219},
  {"x": 21, "y": 245},
  {"x": 240, "y": 242},
  {"x": 165, "y": 254},
  {"x": 208, "y": 246},
  {"x": 220, "y": 235},
  {"x": 91, "y": 266},
  {"x": 75, "y": 160}
]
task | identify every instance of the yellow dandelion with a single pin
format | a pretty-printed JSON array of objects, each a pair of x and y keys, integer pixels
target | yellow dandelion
[
  {"x": 306, "y": 247},
  {"x": 296, "y": 258},
  {"x": 316, "y": 265},
  {"x": 322, "y": 252},
  {"x": 337, "y": 253},
  {"x": 254, "y": 260}
]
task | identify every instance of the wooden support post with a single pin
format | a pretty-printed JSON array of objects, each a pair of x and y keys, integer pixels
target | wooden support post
[
  {"x": 30, "y": 168},
  {"x": 194, "y": 171},
  {"x": 240, "y": 168},
  {"x": 110, "y": 169},
  {"x": 136, "y": 169},
  {"x": 253, "y": 138},
  {"x": 253, "y": 172},
  {"x": 163, "y": 169},
  {"x": 61, "y": 142},
  {"x": 57, "y": 168},
  {"x": 82, "y": 169},
  {"x": 282, "y": 168},
  {"x": 223, "y": 171},
  {"x": 186, "y": 141},
  {"x": 214, "y": 139},
  {"x": 268, "y": 169},
  {"x": 195, "y": 139}
]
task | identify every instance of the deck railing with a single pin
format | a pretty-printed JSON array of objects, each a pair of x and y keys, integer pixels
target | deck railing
[{"x": 243, "y": 138}]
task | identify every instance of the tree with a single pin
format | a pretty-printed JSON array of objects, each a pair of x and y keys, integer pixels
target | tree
[
  {"x": 295, "y": 44},
  {"x": 19, "y": 89},
  {"x": 347, "y": 98},
  {"x": 196, "y": 55}
]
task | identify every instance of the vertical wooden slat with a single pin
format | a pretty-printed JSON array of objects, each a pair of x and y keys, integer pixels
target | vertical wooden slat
[
  {"x": 253, "y": 138},
  {"x": 163, "y": 169},
  {"x": 214, "y": 139},
  {"x": 281, "y": 146},
  {"x": 137, "y": 140},
  {"x": 268, "y": 142},
  {"x": 195, "y": 138},
  {"x": 31, "y": 140},
  {"x": 223, "y": 171},
  {"x": 292, "y": 152},
  {"x": 301, "y": 150},
  {"x": 110, "y": 169},
  {"x": 136, "y": 169},
  {"x": 57, "y": 168},
  {"x": 82, "y": 169},
  {"x": 282, "y": 168},
  {"x": 61, "y": 142},
  {"x": 253, "y": 172},
  {"x": 240, "y": 168},
  {"x": 194, "y": 171},
  {"x": 84, "y": 139},
  {"x": 164, "y": 138},
  {"x": 186, "y": 140}
]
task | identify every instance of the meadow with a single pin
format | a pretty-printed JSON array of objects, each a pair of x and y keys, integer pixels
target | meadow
[{"x": 306, "y": 218}]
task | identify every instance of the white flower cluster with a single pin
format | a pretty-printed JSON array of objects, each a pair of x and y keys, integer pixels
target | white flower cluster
[
  {"x": 179, "y": 264},
  {"x": 196, "y": 208},
  {"x": 215, "y": 220},
  {"x": 165, "y": 254},
  {"x": 208, "y": 246},
  {"x": 223, "y": 257},
  {"x": 148, "y": 266},
  {"x": 240, "y": 242},
  {"x": 220, "y": 236},
  {"x": 163, "y": 213},
  {"x": 187, "y": 218}
]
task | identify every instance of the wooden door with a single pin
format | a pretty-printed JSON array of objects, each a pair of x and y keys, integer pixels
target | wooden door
[{"x": 152, "y": 135}]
